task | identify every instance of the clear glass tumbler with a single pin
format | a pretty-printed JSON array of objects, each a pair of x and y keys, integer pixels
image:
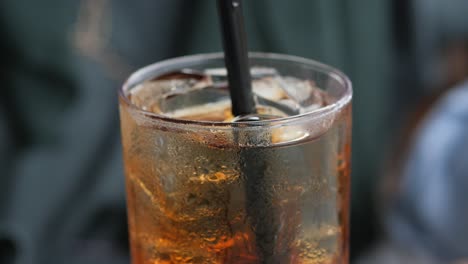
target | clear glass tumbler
[{"x": 206, "y": 188}]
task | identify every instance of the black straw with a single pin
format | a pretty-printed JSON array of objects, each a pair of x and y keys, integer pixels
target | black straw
[
  {"x": 236, "y": 56},
  {"x": 259, "y": 204}
]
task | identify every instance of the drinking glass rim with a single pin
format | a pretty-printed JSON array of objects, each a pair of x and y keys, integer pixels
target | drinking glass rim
[{"x": 137, "y": 77}]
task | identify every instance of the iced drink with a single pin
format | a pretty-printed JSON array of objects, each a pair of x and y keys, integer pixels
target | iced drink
[{"x": 204, "y": 186}]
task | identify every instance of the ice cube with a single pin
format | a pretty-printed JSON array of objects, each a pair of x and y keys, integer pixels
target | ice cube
[
  {"x": 304, "y": 92},
  {"x": 148, "y": 95},
  {"x": 217, "y": 111},
  {"x": 195, "y": 102},
  {"x": 296, "y": 89},
  {"x": 269, "y": 88},
  {"x": 292, "y": 95}
]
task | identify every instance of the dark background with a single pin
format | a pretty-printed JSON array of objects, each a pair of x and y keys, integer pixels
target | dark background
[{"x": 61, "y": 178}]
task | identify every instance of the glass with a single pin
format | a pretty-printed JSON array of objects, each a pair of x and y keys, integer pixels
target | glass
[{"x": 200, "y": 190}]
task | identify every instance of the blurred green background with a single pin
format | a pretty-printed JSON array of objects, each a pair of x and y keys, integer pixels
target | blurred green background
[{"x": 61, "y": 185}]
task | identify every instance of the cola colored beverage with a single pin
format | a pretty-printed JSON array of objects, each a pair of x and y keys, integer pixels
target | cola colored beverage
[{"x": 204, "y": 186}]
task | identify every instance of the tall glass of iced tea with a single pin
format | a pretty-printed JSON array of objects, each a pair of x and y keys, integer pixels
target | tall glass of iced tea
[{"x": 204, "y": 186}]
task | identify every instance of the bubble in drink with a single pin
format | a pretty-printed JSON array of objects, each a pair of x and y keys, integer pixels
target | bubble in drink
[{"x": 214, "y": 195}]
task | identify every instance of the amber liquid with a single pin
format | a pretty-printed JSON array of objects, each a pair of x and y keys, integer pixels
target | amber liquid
[{"x": 190, "y": 199}]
